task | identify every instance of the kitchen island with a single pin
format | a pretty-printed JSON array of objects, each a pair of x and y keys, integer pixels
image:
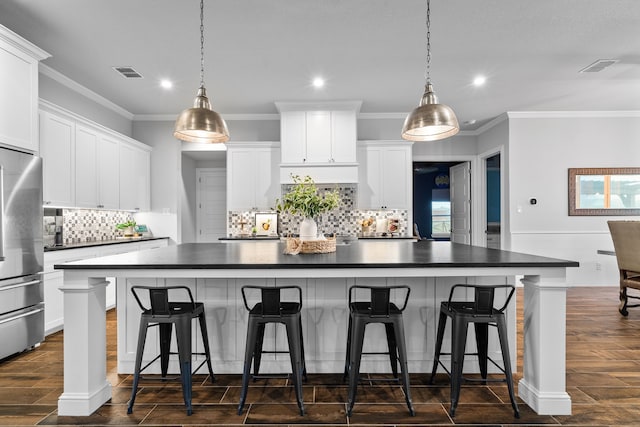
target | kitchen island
[{"x": 216, "y": 272}]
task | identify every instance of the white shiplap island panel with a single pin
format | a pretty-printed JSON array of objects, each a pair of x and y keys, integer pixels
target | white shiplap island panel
[{"x": 216, "y": 272}]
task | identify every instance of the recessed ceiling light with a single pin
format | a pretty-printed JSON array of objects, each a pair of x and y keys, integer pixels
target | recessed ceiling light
[
  {"x": 166, "y": 84},
  {"x": 318, "y": 82},
  {"x": 479, "y": 81}
]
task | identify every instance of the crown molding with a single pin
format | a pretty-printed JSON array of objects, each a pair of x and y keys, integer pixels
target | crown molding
[
  {"x": 570, "y": 114},
  {"x": 227, "y": 117},
  {"x": 82, "y": 90},
  {"x": 23, "y": 45}
]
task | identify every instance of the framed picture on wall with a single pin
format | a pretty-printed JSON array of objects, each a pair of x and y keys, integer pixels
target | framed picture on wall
[{"x": 266, "y": 224}]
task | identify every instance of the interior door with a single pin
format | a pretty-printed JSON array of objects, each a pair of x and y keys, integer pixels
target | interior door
[
  {"x": 460, "y": 188},
  {"x": 211, "y": 201}
]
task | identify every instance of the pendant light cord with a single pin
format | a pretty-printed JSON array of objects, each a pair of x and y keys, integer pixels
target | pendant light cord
[
  {"x": 428, "y": 71},
  {"x": 201, "y": 43}
]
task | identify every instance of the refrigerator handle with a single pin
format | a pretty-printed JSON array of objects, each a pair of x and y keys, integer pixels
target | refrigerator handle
[{"x": 1, "y": 213}]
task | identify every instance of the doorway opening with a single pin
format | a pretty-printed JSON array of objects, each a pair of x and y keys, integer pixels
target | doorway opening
[
  {"x": 492, "y": 167},
  {"x": 433, "y": 208}
]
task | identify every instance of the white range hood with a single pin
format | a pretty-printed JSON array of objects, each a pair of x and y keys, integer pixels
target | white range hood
[{"x": 319, "y": 140}]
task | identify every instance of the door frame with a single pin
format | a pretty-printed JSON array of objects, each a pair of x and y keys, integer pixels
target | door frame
[
  {"x": 477, "y": 190},
  {"x": 482, "y": 202}
]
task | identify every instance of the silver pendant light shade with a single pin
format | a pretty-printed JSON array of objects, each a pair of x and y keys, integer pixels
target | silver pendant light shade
[
  {"x": 430, "y": 121},
  {"x": 200, "y": 123}
]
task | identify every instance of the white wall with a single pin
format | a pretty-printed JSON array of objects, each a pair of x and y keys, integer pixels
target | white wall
[
  {"x": 61, "y": 95},
  {"x": 187, "y": 211},
  {"x": 165, "y": 176},
  {"x": 542, "y": 147}
]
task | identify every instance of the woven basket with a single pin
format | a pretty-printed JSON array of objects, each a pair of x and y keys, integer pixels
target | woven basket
[{"x": 297, "y": 246}]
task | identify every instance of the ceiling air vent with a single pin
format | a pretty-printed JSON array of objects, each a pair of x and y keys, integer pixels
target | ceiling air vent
[
  {"x": 128, "y": 72},
  {"x": 598, "y": 66}
]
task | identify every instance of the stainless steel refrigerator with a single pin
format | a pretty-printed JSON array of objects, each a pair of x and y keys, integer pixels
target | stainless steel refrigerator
[{"x": 21, "y": 252}]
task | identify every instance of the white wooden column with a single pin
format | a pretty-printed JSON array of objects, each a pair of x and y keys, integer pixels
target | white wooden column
[
  {"x": 85, "y": 363},
  {"x": 543, "y": 385}
]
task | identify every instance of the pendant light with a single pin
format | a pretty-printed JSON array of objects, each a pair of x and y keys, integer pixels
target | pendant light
[
  {"x": 430, "y": 121},
  {"x": 200, "y": 123}
]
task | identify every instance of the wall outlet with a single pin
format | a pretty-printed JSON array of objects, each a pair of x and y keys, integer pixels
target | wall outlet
[{"x": 598, "y": 266}]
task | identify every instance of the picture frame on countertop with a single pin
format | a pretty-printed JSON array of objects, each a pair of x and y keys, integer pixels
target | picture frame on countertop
[{"x": 266, "y": 223}]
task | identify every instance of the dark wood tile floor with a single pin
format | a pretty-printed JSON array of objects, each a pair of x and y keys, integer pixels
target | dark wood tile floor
[{"x": 603, "y": 379}]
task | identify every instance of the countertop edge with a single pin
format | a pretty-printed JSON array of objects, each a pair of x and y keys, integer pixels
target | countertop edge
[{"x": 101, "y": 243}]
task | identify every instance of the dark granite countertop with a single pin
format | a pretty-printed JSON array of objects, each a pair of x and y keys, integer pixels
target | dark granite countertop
[
  {"x": 359, "y": 254},
  {"x": 101, "y": 243}
]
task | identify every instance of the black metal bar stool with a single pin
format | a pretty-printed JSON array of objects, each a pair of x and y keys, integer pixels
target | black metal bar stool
[
  {"x": 482, "y": 314},
  {"x": 165, "y": 315},
  {"x": 378, "y": 308},
  {"x": 271, "y": 309}
]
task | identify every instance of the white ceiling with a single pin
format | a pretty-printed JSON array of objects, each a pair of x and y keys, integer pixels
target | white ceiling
[{"x": 261, "y": 51}]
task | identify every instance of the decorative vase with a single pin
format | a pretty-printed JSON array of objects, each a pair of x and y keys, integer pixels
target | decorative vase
[
  {"x": 129, "y": 231},
  {"x": 308, "y": 229}
]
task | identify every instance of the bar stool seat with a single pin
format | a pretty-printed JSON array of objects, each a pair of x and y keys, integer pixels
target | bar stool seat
[
  {"x": 482, "y": 314},
  {"x": 166, "y": 315},
  {"x": 271, "y": 309},
  {"x": 377, "y": 309}
]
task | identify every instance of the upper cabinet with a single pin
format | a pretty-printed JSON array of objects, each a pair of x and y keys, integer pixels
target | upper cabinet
[
  {"x": 88, "y": 166},
  {"x": 318, "y": 136},
  {"x": 252, "y": 176},
  {"x": 57, "y": 149},
  {"x": 19, "y": 91},
  {"x": 385, "y": 175},
  {"x": 135, "y": 180},
  {"x": 319, "y": 139}
]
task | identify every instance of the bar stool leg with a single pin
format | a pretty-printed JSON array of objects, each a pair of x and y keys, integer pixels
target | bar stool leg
[
  {"x": 442, "y": 323},
  {"x": 504, "y": 345},
  {"x": 347, "y": 360},
  {"x": 252, "y": 332},
  {"x": 293, "y": 338},
  {"x": 357, "y": 340},
  {"x": 142, "y": 337},
  {"x": 304, "y": 364},
  {"x": 165, "y": 346},
  {"x": 257, "y": 352},
  {"x": 392, "y": 346},
  {"x": 458, "y": 342},
  {"x": 398, "y": 329},
  {"x": 205, "y": 341},
  {"x": 183, "y": 336},
  {"x": 482, "y": 344}
]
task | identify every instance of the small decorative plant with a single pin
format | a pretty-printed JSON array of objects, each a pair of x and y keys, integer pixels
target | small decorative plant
[
  {"x": 303, "y": 199},
  {"x": 124, "y": 225}
]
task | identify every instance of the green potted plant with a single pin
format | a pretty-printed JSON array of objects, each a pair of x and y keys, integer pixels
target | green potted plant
[
  {"x": 127, "y": 227},
  {"x": 303, "y": 199}
]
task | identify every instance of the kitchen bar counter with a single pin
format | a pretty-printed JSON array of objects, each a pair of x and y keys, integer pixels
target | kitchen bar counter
[
  {"x": 217, "y": 271},
  {"x": 100, "y": 243}
]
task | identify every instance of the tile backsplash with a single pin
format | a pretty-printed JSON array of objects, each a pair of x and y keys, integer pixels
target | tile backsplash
[
  {"x": 344, "y": 220},
  {"x": 89, "y": 225}
]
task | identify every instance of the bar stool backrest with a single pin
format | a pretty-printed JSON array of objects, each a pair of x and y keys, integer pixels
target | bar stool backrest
[
  {"x": 271, "y": 300},
  {"x": 159, "y": 299},
  {"x": 483, "y": 298},
  {"x": 483, "y": 302},
  {"x": 379, "y": 301}
]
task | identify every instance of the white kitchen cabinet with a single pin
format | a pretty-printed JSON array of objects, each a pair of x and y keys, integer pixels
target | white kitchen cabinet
[
  {"x": 385, "y": 175},
  {"x": 318, "y": 137},
  {"x": 53, "y": 279},
  {"x": 106, "y": 165},
  {"x": 252, "y": 176},
  {"x": 318, "y": 133},
  {"x": 95, "y": 160},
  {"x": 57, "y": 149},
  {"x": 19, "y": 91},
  {"x": 89, "y": 166},
  {"x": 135, "y": 165}
]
